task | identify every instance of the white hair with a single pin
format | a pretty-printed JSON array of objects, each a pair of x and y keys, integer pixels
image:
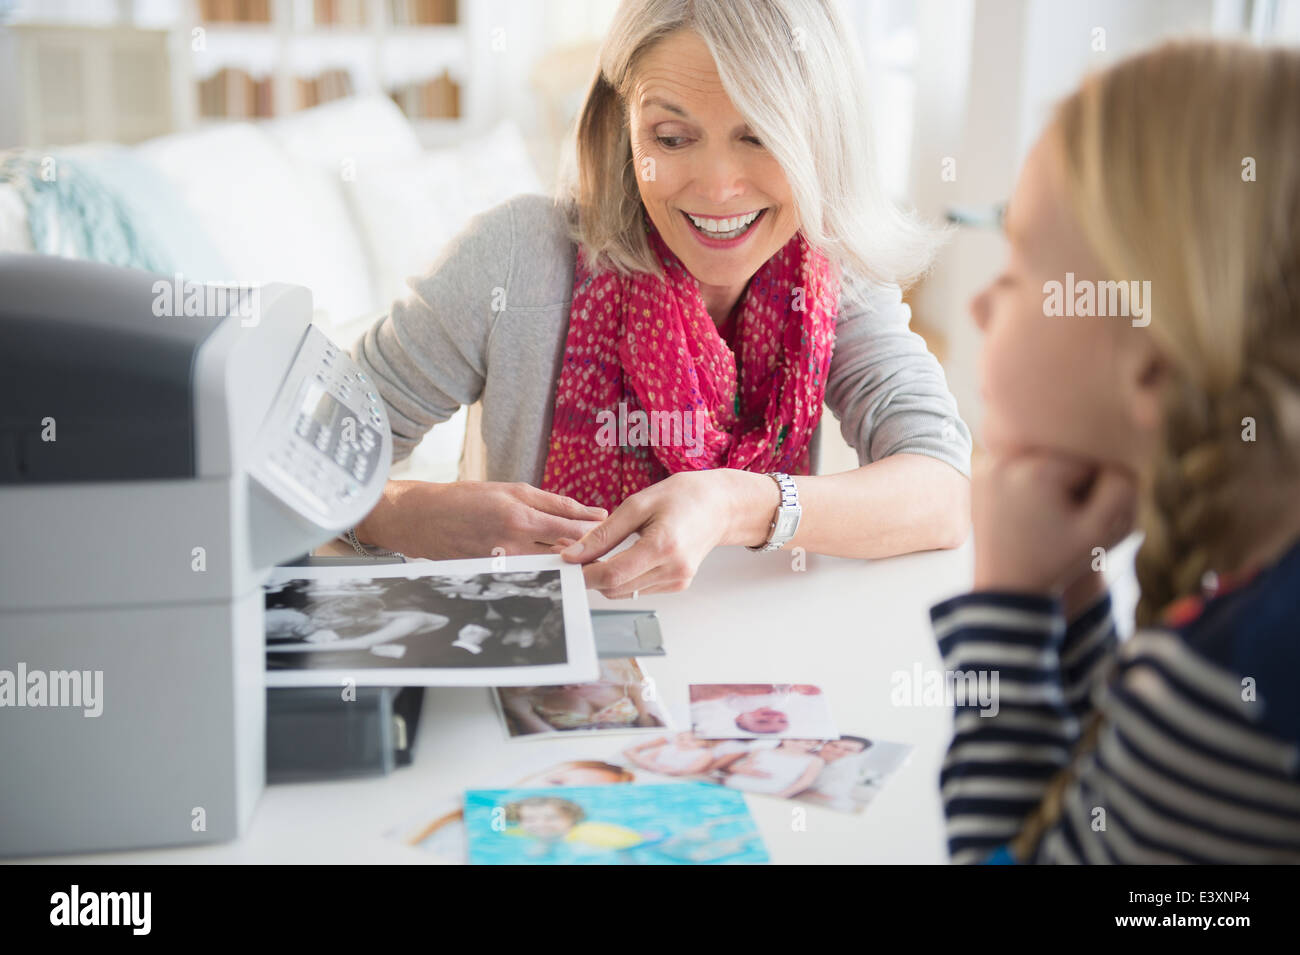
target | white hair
[{"x": 794, "y": 72}]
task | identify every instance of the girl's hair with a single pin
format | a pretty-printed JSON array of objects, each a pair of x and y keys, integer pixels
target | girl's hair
[
  {"x": 1183, "y": 168},
  {"x": 793, "y": 72},
  {"x": 1159, "y": 155}
]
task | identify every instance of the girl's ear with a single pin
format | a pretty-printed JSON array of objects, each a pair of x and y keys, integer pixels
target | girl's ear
[{"x": 1150, "y": 374}]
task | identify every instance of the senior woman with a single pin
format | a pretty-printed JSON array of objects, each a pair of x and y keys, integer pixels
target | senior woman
[{"x": 653, "y": 350}]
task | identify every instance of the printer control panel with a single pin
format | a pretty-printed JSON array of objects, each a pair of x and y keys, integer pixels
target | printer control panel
[{"x": 326, "y": 438}]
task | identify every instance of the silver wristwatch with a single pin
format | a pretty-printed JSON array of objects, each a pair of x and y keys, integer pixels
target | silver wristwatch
[{"x": 786, "y": 520}]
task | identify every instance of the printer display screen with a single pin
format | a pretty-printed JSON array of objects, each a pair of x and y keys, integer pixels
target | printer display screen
[{"x": 319, "y": 405}]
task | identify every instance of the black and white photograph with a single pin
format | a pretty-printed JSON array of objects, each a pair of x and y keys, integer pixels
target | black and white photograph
[{"x": 499, "y": 621}]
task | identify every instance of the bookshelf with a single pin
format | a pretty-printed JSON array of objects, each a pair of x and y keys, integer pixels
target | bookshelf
[{"x": 252, "y": 59}]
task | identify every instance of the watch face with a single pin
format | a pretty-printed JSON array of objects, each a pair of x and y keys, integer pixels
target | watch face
[{"x": 787, "y": 519}]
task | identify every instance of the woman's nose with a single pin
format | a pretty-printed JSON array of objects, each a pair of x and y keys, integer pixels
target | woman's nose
[{"x": 722, "y": 177}]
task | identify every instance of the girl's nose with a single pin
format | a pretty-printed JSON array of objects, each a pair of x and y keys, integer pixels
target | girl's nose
[{"x": 979, "y": 310}]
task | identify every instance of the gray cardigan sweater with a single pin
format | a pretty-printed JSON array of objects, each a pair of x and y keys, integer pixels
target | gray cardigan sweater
[{"x": 488, "y": 321}]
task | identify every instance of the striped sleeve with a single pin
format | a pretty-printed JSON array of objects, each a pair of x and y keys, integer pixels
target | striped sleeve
[
  {"x": 1185, "y": 769},
  {"x": 1007, "y": 745},
  {"x": 1087, "y": 653}
]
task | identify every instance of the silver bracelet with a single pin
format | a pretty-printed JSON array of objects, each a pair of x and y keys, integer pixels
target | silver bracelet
[
  {"x": 364, "y": 551},
  {"x": 356, "y": 544}
]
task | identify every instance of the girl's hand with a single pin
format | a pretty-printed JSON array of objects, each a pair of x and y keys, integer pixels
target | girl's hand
[
  {"x": 679, "y": 520},
  {"x": 1038, "y": 515},
  {"x": 473, "y": 518}
]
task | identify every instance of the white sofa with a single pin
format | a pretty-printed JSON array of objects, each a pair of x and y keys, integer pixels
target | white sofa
[{"x": 341, "y": 199}]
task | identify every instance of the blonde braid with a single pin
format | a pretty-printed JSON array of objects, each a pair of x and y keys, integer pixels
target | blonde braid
[{"x": 1203, "y": 511}]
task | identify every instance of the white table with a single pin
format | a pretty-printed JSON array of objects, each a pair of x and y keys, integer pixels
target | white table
[{"x": 845, "y": 625}]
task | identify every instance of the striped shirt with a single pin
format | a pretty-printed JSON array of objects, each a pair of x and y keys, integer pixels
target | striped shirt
[{"x": 1198, "y": 756}]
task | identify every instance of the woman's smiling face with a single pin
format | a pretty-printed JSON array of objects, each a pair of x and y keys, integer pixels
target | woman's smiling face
[{"x": 706, "y": 163}]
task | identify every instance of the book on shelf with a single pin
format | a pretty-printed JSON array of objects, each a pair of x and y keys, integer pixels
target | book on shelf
[
  {"x": 329, "y": 85},
  {"x": 235, "y": 94},
  {"x": 339, "y": 13},
  {"x": 405, "y": 13},
  {"x": 235, "y": 11},
  {"x": 435, "y": 98}
]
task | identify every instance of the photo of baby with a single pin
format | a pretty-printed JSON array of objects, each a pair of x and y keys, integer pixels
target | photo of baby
[
  {"x": 677, "y": 824},
  {"x": 616, "y": 703},
  {"x": 760, "y": 711},
  {"x": 843, "y": 774}
]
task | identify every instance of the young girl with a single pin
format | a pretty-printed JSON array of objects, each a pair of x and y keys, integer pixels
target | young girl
[{"x": 1181, "y": 413}]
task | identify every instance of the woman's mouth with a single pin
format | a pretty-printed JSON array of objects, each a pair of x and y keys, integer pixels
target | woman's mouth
[{"x": 723, "y": 231}]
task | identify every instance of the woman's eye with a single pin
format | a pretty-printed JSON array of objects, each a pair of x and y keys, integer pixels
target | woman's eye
[
  {"x": 755, "y": 140},
  {"x": 670, "y": 142}
]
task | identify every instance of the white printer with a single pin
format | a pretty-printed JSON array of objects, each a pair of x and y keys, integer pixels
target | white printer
[{"x": 161, "y": 446}]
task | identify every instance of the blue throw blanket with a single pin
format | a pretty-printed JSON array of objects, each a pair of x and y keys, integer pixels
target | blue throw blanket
[{"x": 107, "y": 206}]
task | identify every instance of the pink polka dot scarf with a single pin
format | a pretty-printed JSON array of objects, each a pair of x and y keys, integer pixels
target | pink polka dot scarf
[{"x": 649, "y": 387}]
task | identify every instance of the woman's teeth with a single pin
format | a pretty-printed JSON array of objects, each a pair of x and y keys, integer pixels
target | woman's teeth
[{"x": 724, "y": 228}]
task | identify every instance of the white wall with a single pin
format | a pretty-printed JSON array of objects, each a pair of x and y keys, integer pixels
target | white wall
[{"x": 989, "y": 73}]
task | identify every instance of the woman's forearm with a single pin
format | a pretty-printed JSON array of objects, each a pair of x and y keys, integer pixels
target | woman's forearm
[
  {"x": 378, "y": 528},
  {"x": 897, "y": 505}
]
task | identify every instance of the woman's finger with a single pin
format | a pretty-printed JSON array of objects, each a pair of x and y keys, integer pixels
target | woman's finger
[
  {"x": 654, "y": 581},
  {"x": 549, "y": 529},
  {"x": 533, "y": 547},
  {"x": 627, "y": 519},
  {"x": 559, "y": 505},
  {"x": 613, "y": 574}
]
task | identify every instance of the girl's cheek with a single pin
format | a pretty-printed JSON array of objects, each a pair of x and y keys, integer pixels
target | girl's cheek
[{"x": 997, "y": 358}]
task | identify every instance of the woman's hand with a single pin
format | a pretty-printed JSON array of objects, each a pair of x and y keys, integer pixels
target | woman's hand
[
  {"x": 679, "y": 520},
  {"x": 473, "y": 519},
  {"x": 1038, "y": 515}
]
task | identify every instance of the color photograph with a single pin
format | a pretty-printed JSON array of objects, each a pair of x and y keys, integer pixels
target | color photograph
[
  {"x": 674, "y": 824},
  {"x": 844, "y": 774},
  {"x": 619, "y": 702},
  {"x": 760, "y": 711}
]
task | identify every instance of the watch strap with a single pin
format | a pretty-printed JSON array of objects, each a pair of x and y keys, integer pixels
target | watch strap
[{"x": 789, "y": 506}]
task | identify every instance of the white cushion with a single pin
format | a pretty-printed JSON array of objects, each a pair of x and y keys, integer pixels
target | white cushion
[
  {"x": 362, "y": 129},
  {"x": 272, "y": 220},
  {"x": 409, "y": 208}
]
